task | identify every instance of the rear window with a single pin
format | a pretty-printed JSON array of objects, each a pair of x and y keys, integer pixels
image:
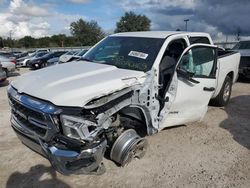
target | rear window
[{"x": 195, "y": 40}]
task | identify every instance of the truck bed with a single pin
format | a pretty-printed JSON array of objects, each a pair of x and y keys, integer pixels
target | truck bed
[
  {"x": 228, "y": 65},
  {"x": 224, "y": 53}
]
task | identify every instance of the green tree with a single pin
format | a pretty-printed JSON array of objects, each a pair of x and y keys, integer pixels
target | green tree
[
  {"x": 1, "y": 42},
  {"x": 58, "y": 40},
  {"x": 86, "y": 33},
  {"x": 27, "y": 42},
  {"x": 70, "y": 41},
  {"x": 43, "y": 42},
  {"x": 133, "y": 22}
]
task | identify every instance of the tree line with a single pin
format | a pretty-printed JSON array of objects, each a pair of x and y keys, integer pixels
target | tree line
[{"x": 83, "y": 33}]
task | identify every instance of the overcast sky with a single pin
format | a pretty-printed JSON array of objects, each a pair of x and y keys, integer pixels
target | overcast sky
[{"x": 47, "y": 17}]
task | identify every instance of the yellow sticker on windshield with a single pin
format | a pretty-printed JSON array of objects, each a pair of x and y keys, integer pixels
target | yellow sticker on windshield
[{"x": 138, "y": 54}]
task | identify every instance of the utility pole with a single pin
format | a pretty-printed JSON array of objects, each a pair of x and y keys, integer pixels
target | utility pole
[
  {"x": 186, "y": 21},
  {"x": 11, "y": 40}
]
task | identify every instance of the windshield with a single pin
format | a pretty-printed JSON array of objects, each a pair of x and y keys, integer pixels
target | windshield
[
  {"x": 242, "y": 45},
  {"x": 47, "y": 55},
  {"x": 134, "y": 53},
  {"x": 40, "y": 54}
]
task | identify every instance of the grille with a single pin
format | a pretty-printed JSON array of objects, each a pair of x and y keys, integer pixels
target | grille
[{"x": 33, "y": 120}]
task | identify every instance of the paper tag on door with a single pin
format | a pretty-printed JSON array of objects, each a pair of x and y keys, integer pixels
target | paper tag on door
[{"x": 138, "y": 54}]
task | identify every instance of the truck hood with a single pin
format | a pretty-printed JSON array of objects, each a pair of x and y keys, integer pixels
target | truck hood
[{"x": 76, "y": 83}]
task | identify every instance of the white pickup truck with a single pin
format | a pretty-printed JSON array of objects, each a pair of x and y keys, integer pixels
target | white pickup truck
[{"x": 128, "y": 85}]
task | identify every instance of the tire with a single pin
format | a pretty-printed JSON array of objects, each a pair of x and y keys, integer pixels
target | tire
[
  {"x": 27, "y": 63},
  {"x": 42, "y": 65},
  {"x": 7, "y": 72},
  {"x": 223, "y": 97}
]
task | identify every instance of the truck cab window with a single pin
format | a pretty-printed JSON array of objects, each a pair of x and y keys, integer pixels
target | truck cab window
[
  {"x": 200, "y": 61},
  {"x": 195, "y": 40}
]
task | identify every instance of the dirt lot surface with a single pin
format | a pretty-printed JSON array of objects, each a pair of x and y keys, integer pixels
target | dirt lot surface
[{"x": 212, "y": 153}]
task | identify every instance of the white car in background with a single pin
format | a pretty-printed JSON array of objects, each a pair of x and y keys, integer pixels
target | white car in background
[
  {"x": 67, "y": 56},
  {"x": 8, "y": 65},
  {"x": 75, "y": 56},
  {"x": 39, "y": 50}
]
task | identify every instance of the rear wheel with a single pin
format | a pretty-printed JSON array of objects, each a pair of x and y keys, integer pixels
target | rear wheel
[
  {"x": 43, "y": 65},
  {"x": 223, "y": 97}
]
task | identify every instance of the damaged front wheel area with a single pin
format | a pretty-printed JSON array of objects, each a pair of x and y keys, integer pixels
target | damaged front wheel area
[{"x": 128, "y": 145}]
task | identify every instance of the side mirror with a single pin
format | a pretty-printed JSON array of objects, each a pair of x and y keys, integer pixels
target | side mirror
[{"x": 187, "y": 75}]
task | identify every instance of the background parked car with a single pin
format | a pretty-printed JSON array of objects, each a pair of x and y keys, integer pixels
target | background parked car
[
  {"x": 39, "y": 50},
  {"x": 20, "y": 55},
  {"x": 244, "y": 48},
  {"x": 41, "y": 62},
  {"x": 24, "y": 61},
  {"x": 2, "y": 74},
  {"x": 65, "y": 57},
  {"x": 56, "y": 60},
  {"x": 8, "y": 65},
  {"x": 75, "y": 56},
  {"x": 7, "y": 54},
  {"x": 53, "y": 61},
  {"x": 11, "y": 54}
]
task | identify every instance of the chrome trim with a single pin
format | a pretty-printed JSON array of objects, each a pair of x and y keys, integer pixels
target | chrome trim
[
  {"x": 22, "y": 107},
  {"x": 63, "y": 160},
  {"x": 66, "y": 161},
  {"x": 33, "y": 103},
  {"x": 37, "y": 122}
]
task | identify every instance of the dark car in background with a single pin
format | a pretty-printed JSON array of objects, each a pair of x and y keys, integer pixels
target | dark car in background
[
  {"x": 53, "y": 61},
  {"x": 41, "y": 62},
  {"x": 244, "y": 48},
  {"x": 24, "y": 61}
]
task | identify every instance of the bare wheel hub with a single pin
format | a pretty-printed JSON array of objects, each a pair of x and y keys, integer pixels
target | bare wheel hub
[
  {"x": 226, "y": 92},
  {"x": 129, "y": 145}
]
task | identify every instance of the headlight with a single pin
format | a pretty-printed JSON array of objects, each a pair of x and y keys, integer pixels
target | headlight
[{"x": 78, "y": 128}]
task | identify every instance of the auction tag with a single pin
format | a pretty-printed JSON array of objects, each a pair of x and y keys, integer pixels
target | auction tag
[{"x": 138, "y": 54}]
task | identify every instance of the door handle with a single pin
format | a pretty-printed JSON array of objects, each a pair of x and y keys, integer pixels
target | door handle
[{"x": 208, "y": 88}]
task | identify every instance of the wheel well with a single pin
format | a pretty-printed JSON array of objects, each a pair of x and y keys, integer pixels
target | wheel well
[
  {"x": 137, "y": 117},
  {"x": 231, "y": 75}
]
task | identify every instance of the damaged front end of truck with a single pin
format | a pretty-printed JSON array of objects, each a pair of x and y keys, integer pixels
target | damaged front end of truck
[{"x": 75, "y": 139}]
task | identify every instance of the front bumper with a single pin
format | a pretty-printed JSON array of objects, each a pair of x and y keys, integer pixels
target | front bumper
[{"x": 65, "y": 161}]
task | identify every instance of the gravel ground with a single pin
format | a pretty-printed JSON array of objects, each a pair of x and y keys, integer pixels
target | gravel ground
[{"x": 212, "y": 153}]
